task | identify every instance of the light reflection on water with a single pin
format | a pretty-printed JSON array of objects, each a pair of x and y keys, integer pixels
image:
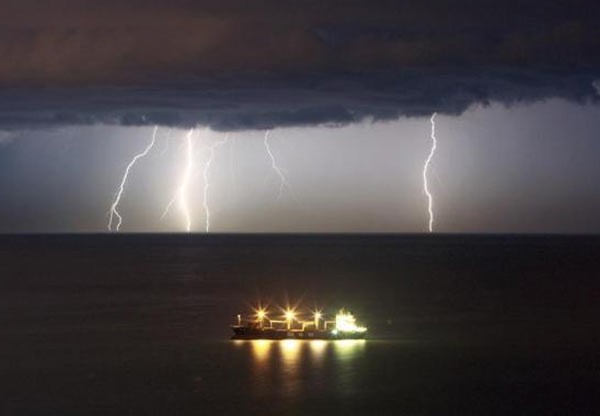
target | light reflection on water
[
  {"x": 260, "y": 350},
  {"x": 348, "y": 348},
  {"x": 287, "y": 367},
  {"x": 318, "y": 348}
]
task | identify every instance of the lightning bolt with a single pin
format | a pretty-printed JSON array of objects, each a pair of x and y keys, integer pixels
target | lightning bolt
[
  {"x": 283, "y": 183},
  {"x": 205, "y": 174},
  {"x": 113, "y": 208},
  {"x": 182, "y": 194},
  {"x": 425, "y": 169}
]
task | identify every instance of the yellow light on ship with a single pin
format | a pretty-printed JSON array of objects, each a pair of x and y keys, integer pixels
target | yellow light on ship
[
  {"x": 289, "y": 315},
  {"x": 261, "y": 314},
  {"x": 318, "y": 316}
]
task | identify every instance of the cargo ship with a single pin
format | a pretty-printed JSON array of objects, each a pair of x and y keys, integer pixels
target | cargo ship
[{"x": 260, "y": 326}]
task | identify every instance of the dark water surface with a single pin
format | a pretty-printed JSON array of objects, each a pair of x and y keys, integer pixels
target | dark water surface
[{"x": 138, "y": 324}]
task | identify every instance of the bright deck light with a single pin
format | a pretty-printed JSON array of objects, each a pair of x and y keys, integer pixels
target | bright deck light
[
  {"x": 292, "y": 323},
  {"x": 345, "y": 322},
  {"x": 289, "y": 315}
]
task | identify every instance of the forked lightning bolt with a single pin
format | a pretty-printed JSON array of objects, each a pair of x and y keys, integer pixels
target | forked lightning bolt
[
  {"x": 426, "y": 168},
  {"x": 113, "y": 208},
  {"x": 283, "y": 183},
  {"x": 182, "y": 193},
  {"x": 205, "y": 175}
]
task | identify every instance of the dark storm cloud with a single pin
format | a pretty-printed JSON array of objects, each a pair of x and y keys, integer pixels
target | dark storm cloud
[
  {"x": 238, "y": 64},
  {"x": 86, "y": 41},
  {"x": 596, "y": 85},
  {"x": 287, "y": 101}
]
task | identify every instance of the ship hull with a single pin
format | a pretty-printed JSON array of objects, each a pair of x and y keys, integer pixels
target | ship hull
[{"x": 244, "y": 332}]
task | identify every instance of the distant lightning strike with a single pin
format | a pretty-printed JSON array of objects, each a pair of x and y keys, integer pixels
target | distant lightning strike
[
  {"x": 205, "y": 175},
  {"x": 182, "y": 193},
  {"x": 113, "y": 208},
  {"x": 283, "y": 183},
  {"x": 425, "y": 170}
]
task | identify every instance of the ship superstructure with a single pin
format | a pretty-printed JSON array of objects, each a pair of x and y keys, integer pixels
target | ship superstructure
[{"x": 292, "y": 326}]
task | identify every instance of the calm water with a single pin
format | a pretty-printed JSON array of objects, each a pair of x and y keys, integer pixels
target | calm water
[
  {"x": 300, "y": 377},
  {"x": 97, "y": 325}
]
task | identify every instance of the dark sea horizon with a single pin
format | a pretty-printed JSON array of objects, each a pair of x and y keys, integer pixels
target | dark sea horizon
[{"x": 96, "y": 324}]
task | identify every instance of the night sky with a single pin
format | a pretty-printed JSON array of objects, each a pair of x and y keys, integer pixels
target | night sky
[
  {"x": 431, "y": 166},
  {"x": 346, "y": 91}
]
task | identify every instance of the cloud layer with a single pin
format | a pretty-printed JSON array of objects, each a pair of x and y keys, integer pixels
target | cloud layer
[
  {"x": 110, "y": 41},
  {"x": 596, "y": 85},
  {"x": 236, "y": 65},
  {"x": 265, "y": 103}
]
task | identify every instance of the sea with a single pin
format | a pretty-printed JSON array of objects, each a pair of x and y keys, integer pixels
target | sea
[{"x": 139, "y": 324}]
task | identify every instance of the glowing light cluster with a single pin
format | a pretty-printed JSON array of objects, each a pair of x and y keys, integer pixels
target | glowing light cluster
[
  {"x": 290, "y": 315},
  {"x": 294, "y": 325},
  {"x": 346, "y": 322}
]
